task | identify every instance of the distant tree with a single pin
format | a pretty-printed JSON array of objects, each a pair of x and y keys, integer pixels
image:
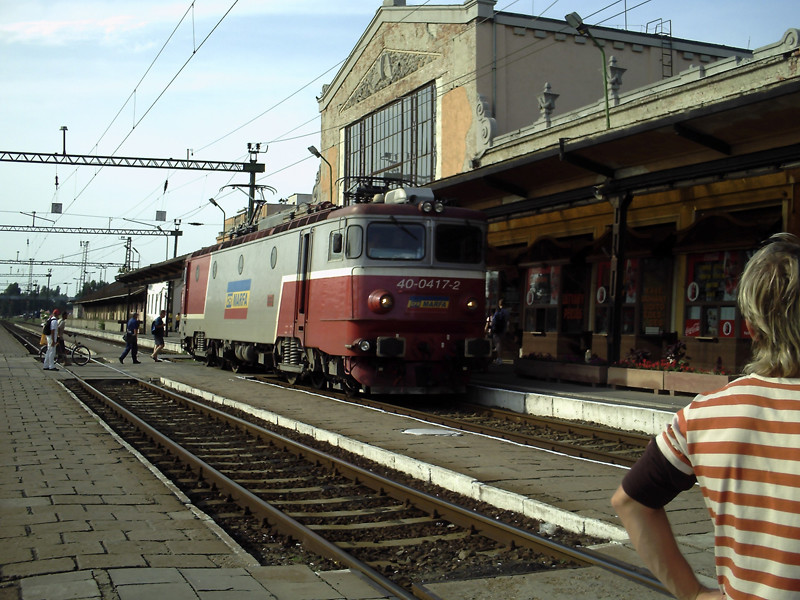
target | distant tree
[
  {"x": 13, "y": 289},
  {"x": 13, "y": 301}
]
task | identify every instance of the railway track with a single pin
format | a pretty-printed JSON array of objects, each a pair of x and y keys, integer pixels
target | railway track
[
  {"x": 278, "y": 506},
  {"x": 583, "y": 440},
  {"x": 283, "y": 491}
]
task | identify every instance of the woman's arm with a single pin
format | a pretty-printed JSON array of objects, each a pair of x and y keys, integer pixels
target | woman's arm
[{"x": 652, "y": 536}]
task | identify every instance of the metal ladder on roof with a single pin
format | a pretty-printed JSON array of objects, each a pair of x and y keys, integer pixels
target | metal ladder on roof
[{"x": 663, "y": 29}]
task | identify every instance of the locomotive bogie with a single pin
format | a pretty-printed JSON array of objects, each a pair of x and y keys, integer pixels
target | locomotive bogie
[{"x": 374, "y": 297}]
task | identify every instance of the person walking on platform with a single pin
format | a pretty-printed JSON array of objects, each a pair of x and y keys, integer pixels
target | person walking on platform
[
  {"x": 61, "y": 346},
  {"x": 132, "y": 339},
  {"x": 741, "y": 444},
  {"x": 498, "y": 326},
  {"x": 158, "y": 335},
  {"x": 50, "y": 331}
]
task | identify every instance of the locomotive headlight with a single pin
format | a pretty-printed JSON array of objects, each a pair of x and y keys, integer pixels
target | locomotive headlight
[
  {"x": 426, "y": 206},
  {"x": 380, "y": 301},
  {"x": 364, "y": 345},
  {"x": 472, "y": 304},
  {"x": 438, "y": 207}
]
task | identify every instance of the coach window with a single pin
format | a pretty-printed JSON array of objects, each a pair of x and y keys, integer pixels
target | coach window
[
  {"x": 355, "y": 241},
  {"x": 335, "y": 243}
]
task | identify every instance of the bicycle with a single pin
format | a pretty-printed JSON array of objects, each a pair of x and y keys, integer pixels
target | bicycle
[{"x": 79, "y": 353}]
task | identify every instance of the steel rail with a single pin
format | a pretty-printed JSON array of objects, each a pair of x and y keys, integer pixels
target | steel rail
[
  {"x": 286, "y": 525},
  {"x": 522, "y": 438},
  {"x": 596, "y": 431},
  {"x": 240, "y": 495},
  {"x": 453, "y": 513}
]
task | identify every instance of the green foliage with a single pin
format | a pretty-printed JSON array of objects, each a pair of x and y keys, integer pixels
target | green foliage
[{"x": 15, "y": 302}]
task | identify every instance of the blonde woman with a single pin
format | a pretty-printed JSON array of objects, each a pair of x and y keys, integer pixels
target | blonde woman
[{"x": 741, "y": 444}]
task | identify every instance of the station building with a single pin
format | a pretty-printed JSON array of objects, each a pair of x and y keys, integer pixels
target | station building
[{"x": 622, "y": 205}]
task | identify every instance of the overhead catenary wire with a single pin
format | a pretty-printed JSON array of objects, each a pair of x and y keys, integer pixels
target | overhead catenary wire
[
  {"x": 283, "y": 137},
  {"x": 160, "y": 95},
  {"x": 533, "y": 47}
]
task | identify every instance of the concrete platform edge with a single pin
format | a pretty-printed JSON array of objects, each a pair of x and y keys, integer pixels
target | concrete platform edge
[
  {"x": 629, "y": 418},
  {"x": 236, "y": 549},
  {"x": 440, "y": 476}
]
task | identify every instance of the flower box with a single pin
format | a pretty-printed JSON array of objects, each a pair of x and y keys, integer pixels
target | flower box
[
  {"x": 636, "y": 378},
  {"x": 693, "y": 383},
  {"x": 561, "y": 371}
]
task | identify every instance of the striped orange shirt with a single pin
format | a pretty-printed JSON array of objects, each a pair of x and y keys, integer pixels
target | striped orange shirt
[{"x": 743, "y": 444}]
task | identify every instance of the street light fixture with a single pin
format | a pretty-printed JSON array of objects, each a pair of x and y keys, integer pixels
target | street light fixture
[
  {"x": 574, "y": 20},
  {"x": 158, "y": 227},
  {"x": 315, "y": 152},
  {"x": 214, "y": 202}
]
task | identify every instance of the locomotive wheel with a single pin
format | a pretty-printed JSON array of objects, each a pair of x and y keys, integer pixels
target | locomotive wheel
[
  {"x": 318, "y": 380},
  {"x": 351, "y": 387},
  {"x": 211, "y": 356}
]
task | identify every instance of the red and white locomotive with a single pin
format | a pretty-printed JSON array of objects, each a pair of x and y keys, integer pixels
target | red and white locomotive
[{"x": 386, "y": 296}]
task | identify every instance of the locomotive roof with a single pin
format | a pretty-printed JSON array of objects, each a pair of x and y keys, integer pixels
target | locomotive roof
[{"x": 326, "y": 210}]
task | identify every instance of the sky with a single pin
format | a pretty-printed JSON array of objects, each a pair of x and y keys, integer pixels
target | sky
[{"x": 177, "y": 79}]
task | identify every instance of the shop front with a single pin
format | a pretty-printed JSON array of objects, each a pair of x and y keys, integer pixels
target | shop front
[
  {"x": 646, "y": 298},
  {"x": 554, "y": 298},
  {"x": 715, "y": 250}
]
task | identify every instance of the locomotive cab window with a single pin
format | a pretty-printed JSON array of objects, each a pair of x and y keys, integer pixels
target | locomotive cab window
[
  {"x": 459, "y": 244},
  {"x": 355, "y": 240},
  {"x": 396, "y": 241},
  {"x": 335, "y": 243}
]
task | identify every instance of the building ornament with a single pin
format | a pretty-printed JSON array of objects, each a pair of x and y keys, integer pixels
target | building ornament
[
  {"x": 547, "y": 103},
  {"x": 390, "y": 66},
  {"x": 615, "y": 74},
  {"x": 486, "y": 127}
]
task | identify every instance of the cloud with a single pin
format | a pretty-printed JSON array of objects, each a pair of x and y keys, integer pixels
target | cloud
[
  {"x": 61, "y": 22},
  {"x": 55, "y": 32}
]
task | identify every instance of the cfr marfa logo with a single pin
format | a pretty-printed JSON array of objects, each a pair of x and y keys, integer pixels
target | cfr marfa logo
[
  {"x": 430, "y": 302},
  {"x": 237, "y": 299}
]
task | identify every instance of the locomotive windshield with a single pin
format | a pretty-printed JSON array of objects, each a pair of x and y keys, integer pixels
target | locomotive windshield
[
  {"x": 459, "y": 244},
  {"x": 396, "y": 241}
]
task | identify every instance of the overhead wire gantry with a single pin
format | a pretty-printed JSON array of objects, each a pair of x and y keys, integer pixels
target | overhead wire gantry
[{"x": 252, "y": 167}]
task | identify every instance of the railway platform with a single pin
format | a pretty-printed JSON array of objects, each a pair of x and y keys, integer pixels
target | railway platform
[
  {"x": 562, "y": 491},
  {"x": 83, "y": 518}
]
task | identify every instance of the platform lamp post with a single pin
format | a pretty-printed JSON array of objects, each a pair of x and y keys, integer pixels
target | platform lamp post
[
  {"x": 214, "y": 202},
  {"x": 574, "y": 20},
  {"x": 315, "y": 152}
]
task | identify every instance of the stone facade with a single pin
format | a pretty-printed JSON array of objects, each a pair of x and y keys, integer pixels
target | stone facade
[{"x": 522, "y": 132}]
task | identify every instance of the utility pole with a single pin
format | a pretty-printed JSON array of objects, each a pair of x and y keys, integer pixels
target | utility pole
[
  {"x": 128, "y": 256},
  {"x": 175, "y": 248},
  {"x": 64, "y": 147},
  {"x": 30, "y": 275},
  {"x": 252, "y": 195},
  {"x": 82, "y": 280}
]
